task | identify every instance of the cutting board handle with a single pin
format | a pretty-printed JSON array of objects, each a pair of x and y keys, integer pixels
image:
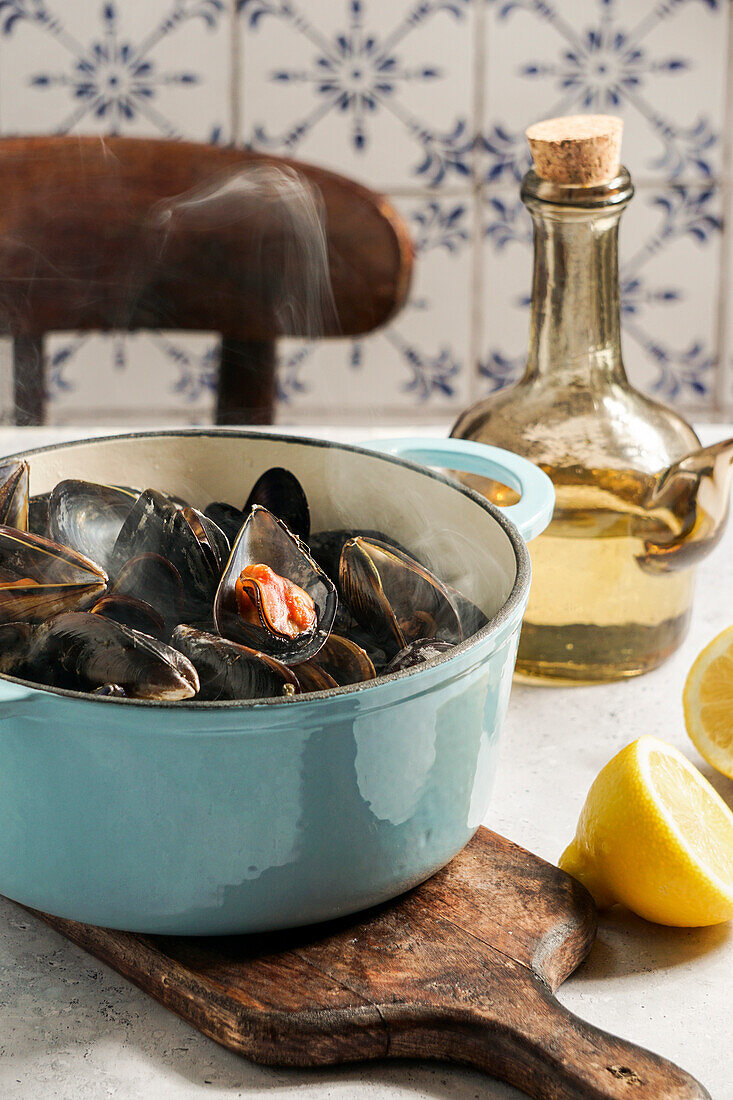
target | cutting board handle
[{"x": 550, "y": 1054}]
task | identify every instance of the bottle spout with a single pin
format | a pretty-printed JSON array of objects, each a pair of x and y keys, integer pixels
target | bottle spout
[{"x": 693, "y": 496}]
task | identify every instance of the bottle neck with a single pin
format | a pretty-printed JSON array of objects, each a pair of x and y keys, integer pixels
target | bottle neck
[{"x": 575, "y": 314}]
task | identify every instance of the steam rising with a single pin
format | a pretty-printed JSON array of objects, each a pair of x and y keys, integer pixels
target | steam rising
[{"x": 280, "y": 217}]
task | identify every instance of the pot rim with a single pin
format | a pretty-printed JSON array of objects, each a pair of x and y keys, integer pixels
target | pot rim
[{"x": 500, "y": 619}]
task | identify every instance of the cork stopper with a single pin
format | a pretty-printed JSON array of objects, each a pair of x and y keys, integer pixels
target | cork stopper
[{"x": 579, "y": 149}]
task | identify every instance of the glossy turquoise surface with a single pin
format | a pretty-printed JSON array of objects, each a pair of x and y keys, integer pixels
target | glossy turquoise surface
[{"x": 226, "y": 818}]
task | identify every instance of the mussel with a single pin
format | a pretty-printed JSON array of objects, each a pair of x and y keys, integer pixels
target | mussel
[
  {"x": 155, "y": 525},
  {"x": 40, "y": 578},
  {"x": 88, "y": 517},
  {"x": 312, "y": 677},
  {"x": 393, "y": 597},
  {"x": 38, "y": 514},
  {"x": 227, "y": 670},
  {"x": 114, "y": 690},
  {"x": 342, "y": 660},
  {"x": 15, "y": 640},
  {"x": 14, "y": 495},
  {"x": 131, "y": 612},
  {"x": 227, "y": 518},
  {"x": 82, "y": 651},
  {"x": 152, "y": 579},
  {"x": 211, "y": 538},
  {"x": 272, "y": 595},
  {"x": 417, "y": 653},
  {"x": 326, "y": 546},
  {"x": 281, "y": 493}
]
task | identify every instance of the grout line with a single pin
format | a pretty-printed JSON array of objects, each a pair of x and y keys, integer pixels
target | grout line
[
  {"x": 723, "y": 349},
  {"x": 236, "y": 60}
]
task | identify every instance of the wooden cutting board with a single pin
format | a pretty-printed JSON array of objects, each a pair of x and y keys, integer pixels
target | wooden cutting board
[{"x": 463, "y": 968}]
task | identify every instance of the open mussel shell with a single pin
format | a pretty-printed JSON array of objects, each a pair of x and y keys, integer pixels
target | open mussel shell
[
  {"x": 14, "y": 479},
  {"x": 326, "y": 546},
  {"x": 281, "y": 493},
  {"x": 39, "y": 578},
  {"x": 83, "y": 652},
  {"x": 155, "y": 525},
  {"x": 393, "y": 597},
  {"x": 133, "y": 613},
  {"x": 471, "y": 617},
  {"x": 264, "y": 539},
  {"x": 88, "y": 517},
  {"x": 227, "y": 670},
  {"x": 153, "y": 580},
  {"x": 342, "y": 660},
  {"x": 417, "y": 653},
  {"x": 313, "y": 677},
  {"x": 212, "y": 539},
  {"x": 227, "y": 518},
  {"x": 339, "y": 663}
]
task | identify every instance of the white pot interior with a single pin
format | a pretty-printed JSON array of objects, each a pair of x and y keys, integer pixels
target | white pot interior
[{"x": 453, "y": 534}]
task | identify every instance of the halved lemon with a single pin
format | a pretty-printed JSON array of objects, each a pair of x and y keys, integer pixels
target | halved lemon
[
  {"x": 655, "y": 836},
  {"x": 708, "y": 703}
]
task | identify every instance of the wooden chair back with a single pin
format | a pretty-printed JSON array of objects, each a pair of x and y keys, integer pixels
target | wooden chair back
[{"x": 126, "y": 234}]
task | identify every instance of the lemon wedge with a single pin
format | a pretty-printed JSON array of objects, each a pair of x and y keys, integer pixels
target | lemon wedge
[
  {"x": 708, "y": 703},
  {"x": 655, "y": 836}
]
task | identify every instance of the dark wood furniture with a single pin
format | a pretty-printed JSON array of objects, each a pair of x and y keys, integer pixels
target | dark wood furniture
[
  {"x": 125, "y": 234},
  {"x": 464, "y": 968}
]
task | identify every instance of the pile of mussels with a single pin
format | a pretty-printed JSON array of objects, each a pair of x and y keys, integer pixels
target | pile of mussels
[{"x": 112, "y": 591}]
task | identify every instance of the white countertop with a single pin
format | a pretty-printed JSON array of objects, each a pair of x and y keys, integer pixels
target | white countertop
[{"x": 71, "y": 1029}]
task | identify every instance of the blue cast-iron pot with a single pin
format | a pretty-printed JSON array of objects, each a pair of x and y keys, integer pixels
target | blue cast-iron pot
[{"x": 205, "y": 818}]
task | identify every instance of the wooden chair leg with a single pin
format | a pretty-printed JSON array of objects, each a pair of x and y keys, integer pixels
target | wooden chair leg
[
  {"x": 30, "y": 391},
  {"x": 246, "y": 382}
]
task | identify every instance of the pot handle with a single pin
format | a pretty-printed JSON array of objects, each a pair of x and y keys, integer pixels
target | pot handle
[{"x": 531, "y": 514}]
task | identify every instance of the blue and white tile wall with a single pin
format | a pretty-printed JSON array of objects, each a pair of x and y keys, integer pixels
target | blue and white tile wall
[{"x": 426, "y": 100}]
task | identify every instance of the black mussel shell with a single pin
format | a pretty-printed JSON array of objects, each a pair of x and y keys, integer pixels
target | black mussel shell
[
  {"x": 114, "y": 690},
  {"x": 266, "y": 540},
  {"x": 15, "y": 642},
  {"x": 313, "y": 677},
  {"x": 157, "y": 526},
  {"x": 395, "y": 598},
  {"x": 14, "y": 495},
  {"x": 281, "y": 493},
  {"x": 40, "y": 578},
  {"x": 38, "y": 514},
  {"x": 83, "y": 652},
  {"x": 133, "y": 613},
  {"x": 416, "y": 653},
  {"x": 326, "y": 547},
  {"x": 153, "y": 580},
  {"x": 228, "y": 670},
  {"x": 227, "y": 518},
  {"x": 88, "y": 517},
  {"x": 344, "y": 660},
  {"x": 347, "y": 626},
  {"x": 214, "y": 542},
  {"x": 471, "y": 617}
]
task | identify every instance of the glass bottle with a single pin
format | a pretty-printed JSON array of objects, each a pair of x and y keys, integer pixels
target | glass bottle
[{"x": 601, "y": 606}]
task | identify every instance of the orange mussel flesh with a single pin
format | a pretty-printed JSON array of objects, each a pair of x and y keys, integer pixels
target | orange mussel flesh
[{"x": 263, "y": 595}]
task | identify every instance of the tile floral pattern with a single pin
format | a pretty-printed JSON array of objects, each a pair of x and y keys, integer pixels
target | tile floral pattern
[
  {"x": 379, "y": 90},
  {"x": 661, "y": 66},
  {"x": 133, "y": 67},
  {"x": 428, "y": 101}
]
